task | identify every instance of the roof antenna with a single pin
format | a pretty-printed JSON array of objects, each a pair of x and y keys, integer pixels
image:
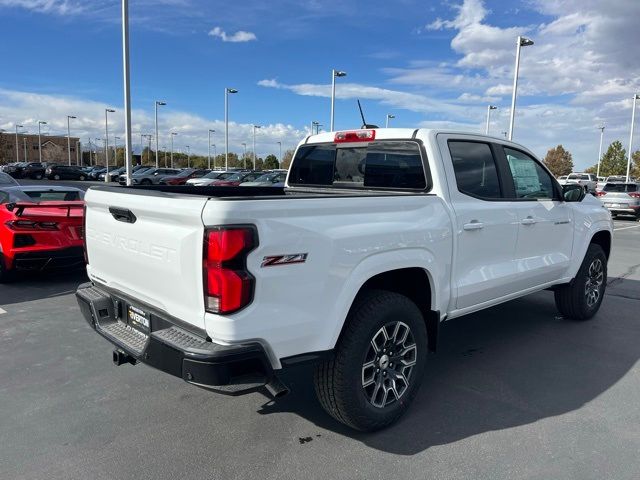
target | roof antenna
[{"x": 364, "y": 122}]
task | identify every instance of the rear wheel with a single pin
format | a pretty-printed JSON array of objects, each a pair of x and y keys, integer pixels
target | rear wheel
[
  {"x": 378, "y": 363},
  {"x": 146, "y": 181},
  {"x": 82, "y": 178},
  {"x": 5, "y": 275},
  {"x": 56, "y": 177},
  {"x": 38, "y": 176},
  {"x": 581, "y": 299}
]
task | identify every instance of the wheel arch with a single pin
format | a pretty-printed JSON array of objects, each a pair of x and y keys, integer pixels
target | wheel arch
[{"x": 603, "y": 238}]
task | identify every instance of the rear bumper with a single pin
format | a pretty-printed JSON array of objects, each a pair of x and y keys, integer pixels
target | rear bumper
[
  {"x": 172, "y": 347},
  {"x": 629, "y": 210},
  {"x": 41, "y": 260}
]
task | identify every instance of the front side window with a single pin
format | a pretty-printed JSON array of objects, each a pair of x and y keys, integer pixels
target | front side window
[
  {"x": 475, "y": 169},
  {"x": 529, "y": 178}
]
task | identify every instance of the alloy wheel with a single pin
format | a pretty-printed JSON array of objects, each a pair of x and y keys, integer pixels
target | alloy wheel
[{"x": 595, "y": 280}]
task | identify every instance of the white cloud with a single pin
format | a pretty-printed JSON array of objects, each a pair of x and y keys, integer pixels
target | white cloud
[
  {"x": 237, "y": 37},
  {"x": 26, "y": 108},
  {"x": 60, "y": 7}
]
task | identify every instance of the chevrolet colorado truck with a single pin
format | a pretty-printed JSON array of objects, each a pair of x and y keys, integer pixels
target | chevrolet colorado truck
[{"x": 378, "y": 236}]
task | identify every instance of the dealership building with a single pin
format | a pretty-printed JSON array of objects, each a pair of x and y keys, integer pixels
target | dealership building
[{"x": 54, "y": 148}]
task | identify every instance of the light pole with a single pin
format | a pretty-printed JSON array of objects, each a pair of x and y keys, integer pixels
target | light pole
[
  {"x": 254, "y": 144},
  {"x": 215, "y": 154},
  {"x": 633, "y": 120},
  {"x": 280, "y": 157},
  {"x": 520, "y": 42},
  {"x": 244, "y": 155},
  {"x": 227, "y": 91},
  {"x": 334, "y": 73},
  {"x": 78, "y": 152},
  {"x": 17, "y": 147},
  {"x": 165, "y": 156},
  {"x": 127, "y": 88},
  {"x": 600, "y": 151},
  {"x": 115, "y": 150},
  {"x": 24, "y": 145},
  {"x": 107, "y": 111},
  {"x": 188, "y": 156},
  {"x": 209, "y": 147},
  {"x": 389, "y": 116},
  {"x": 489, "y": 108},
  {"x": 69, "y": 117},
  {"x": 40, "y": 122},
  {"x": 157, "y": 103},
  {"x": 173, "y": 134},
  {"x": 148, "y": 136}
]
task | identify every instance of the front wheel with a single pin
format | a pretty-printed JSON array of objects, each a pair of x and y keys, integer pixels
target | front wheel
[
  {"x": 378, "y": 363},
  {"x": 82, "y": 178},
  {"x": 581, "y": 299},
  {"x": 56, "y": 177}
]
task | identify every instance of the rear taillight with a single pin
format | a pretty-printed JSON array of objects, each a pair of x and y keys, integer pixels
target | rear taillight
[
  {"x": 601, "y": 194},
  {"x": 228, "y": 285},
  {"x": 634, "y": 194},
  {"x": 28, "y": 225},
  {"x": 355, "y": 136},
  {"x": 83, "y": 234}
]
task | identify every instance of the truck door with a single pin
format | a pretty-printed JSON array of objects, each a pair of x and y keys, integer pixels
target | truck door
[
  {"x": 485, "y": 228},
  {"x": 545, "y": 222}
]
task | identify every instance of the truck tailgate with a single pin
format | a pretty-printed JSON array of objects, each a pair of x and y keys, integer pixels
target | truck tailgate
[{"x": 153, "y": 253}]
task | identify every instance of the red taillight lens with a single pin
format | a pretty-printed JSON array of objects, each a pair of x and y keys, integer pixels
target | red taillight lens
[
  {"x": 228, "y": 286},
  {"x": 355, "y": 136},
  {"x": 634, "y": 194},
  {"x": 28, "y": 225},
  {"x": 601, "y": 193}
]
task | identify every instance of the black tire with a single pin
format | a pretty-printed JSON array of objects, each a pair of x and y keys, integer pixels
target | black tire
[
  {"x": 38, "y": 176},
  {"x": 82, "y": 178},
  {"x": 146, "y": 181},
  {"x": 5, "y": 275},
  {"x": 56, "y": 177},
  {"x": 576, "y": 300},
  {"x": 340, "y": 380}
]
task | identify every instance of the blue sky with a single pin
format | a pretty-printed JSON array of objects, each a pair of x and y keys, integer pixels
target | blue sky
[{"x": 432, "y": 64}]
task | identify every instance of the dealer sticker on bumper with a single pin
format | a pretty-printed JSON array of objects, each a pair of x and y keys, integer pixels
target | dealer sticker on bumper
[{"x": 138, "y": 318}]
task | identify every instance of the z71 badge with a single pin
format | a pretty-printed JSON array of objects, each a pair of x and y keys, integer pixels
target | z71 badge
[{"x": 275, "y": 260}]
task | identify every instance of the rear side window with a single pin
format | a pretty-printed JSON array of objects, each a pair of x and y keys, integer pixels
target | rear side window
[
  {"x": 54, "y": 196},
  {"x": 386, "y": 164},
  {"x": 475, "y": 169},
  {"x": 620, "y": 187}
]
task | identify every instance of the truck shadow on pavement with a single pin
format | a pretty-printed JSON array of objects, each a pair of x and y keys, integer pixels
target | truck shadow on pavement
[
  {"x": 507, "y": 366},
  {"x": 37, "y": 286}
]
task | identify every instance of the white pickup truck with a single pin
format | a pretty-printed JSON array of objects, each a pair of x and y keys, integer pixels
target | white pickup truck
[{"x": 378, "y": 237}]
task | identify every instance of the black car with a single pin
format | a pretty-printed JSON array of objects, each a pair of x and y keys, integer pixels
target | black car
[
  {"x": 33, "y": 170},
  {"x": 65, "y": 172}
]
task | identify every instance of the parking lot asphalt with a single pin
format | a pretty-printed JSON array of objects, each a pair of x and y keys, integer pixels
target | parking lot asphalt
[{"x": 514, "y": 391}]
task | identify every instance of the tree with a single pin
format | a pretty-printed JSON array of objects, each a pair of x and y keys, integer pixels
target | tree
[
  {"x": 271, "y": 162},
  {"x": 286, "y": 159},
  {"x": 614, "y": 161},
  {"x": 635, "y": 164},
  {"x": 559, "y": 161}
]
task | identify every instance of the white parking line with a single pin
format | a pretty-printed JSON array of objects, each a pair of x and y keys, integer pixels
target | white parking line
[{"x": 626, "y": 228}]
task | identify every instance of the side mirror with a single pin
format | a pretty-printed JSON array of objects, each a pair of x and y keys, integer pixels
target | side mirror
[{"x": 573, "y": 192}]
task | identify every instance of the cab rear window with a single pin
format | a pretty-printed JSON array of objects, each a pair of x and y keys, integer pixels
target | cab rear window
[
  {"x": 620, "y": 187},
  {"x": 385, "y": 164}
]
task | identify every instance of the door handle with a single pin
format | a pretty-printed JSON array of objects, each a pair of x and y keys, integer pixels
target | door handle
[
  {"x": 528, "y": 221},
  {"x": 122, "y": 214},
  {"x": 473, "y": 225}
]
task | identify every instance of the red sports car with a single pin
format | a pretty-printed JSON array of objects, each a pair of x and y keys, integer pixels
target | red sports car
[
  {"x": 41, "y": 228},
  {"x": 183, "y": 176}
]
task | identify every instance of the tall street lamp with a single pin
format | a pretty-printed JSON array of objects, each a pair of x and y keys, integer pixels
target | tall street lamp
[
  {"x": 489, "y": 108},
  {"x": 69, "y": 117},
  {"x": 520, "y": 42},
  {"x": 173, "y": 134},
  {"x": 227, "y": 91},
  {"x": 389, "y": 116},
  {"x": 157, "y": 103},
  {"x": 188, "y": 156},
  {"x": 107, "y": 111},
  {"x": 209, "y": 147},
  {"x": 148, "y": 136},
  {"x": 126, "y": 89},
  {"x": 244, "y": 155},
  {"x": 24, "y": 145},
  {"x": 254, "y": 144},
  {"x": 215, "y": 154},
  {"x": 600, "y": 151},
  {"x": 633, "y": 120},
  {"x": 17, "y": 147},
  {"x": 280, "y": 157},
  {"x": 334, "y": 73},
  {"x": 164, "y": 148},
  {"x": 40, "y": 122}
]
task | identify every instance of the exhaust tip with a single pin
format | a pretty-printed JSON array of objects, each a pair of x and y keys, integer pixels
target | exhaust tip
[{"x": 276, "y": 388}]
